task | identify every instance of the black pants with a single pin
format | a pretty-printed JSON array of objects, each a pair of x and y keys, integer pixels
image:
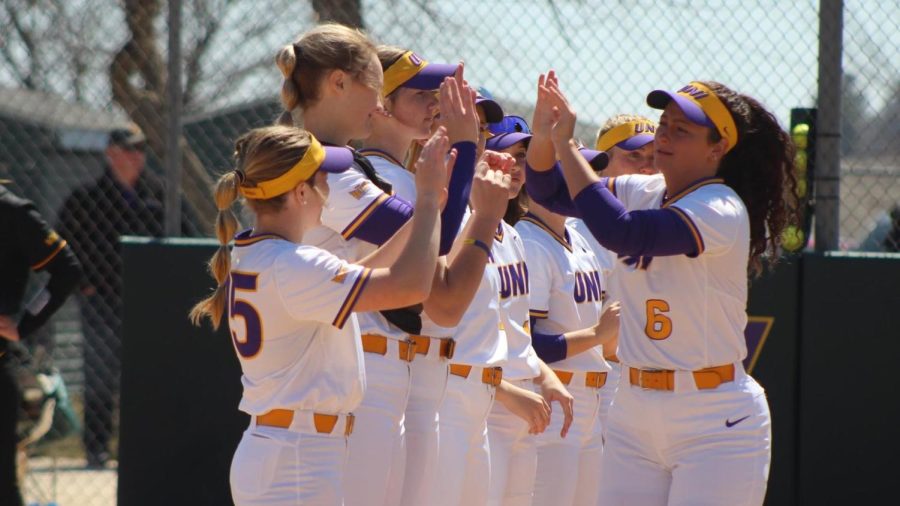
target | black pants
[
  {"x": 102, "y": 370},
  {"x": 9, "y": 414}
]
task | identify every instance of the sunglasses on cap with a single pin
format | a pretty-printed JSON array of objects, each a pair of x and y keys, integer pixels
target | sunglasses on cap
[{"x": 510, "y": 124}]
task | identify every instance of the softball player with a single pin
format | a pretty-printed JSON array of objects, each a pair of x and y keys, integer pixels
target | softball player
[
  {"x": 689, "y": 426},
  {"x": 513, "y": 454},
  {"x": 627, "y": 140},
  {"x": 410, "y": 104},
  {"x": 565, "y": 286},
  {"x": 289, "y": 308}
]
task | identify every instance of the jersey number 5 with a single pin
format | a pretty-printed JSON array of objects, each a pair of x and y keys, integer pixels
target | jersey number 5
[
  {"x": 252, "y": 342},
  {"x": 659, "y": 326}
]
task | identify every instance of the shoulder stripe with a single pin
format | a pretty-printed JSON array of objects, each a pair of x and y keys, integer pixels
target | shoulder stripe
[
  {"x": 247, "y": 241},
  {"x": 43, "y": 263},
  {"x": 540, "y": 224},
  {"x": 538, "y": 313},
  {"x": 699, "y": 184},
  {"x": 355, "y": 224},
  {"x": 352, "y": 297},
  {"x": 611, "y": 185},
  {"x": 698, "y": 239}
]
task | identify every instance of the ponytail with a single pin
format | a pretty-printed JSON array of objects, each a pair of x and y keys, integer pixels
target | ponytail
[{"x": 213, "y": 307}]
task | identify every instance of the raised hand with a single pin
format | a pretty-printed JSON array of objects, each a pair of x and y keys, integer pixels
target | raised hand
[
  {"x": 490, "y": 186},
  {"x": 433, "y": 167},
  {"x": 543, "y": 118},
  {"x": 564, "y": 116},
  {"x": 457, "y": 104}
]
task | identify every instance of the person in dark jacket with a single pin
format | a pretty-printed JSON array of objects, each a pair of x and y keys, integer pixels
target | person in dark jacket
[
  {"x": 125, "y": 200},
  {"x": 28, "y": 244}
]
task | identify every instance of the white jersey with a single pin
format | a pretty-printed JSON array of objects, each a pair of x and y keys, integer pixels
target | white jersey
[
  {"x": 566, "y": 287},
  {"x": 404, "y": 186},
  {"x": 479, "y": 339},
  {"x": 606, "y": 258},
  {"x": 290, "y": 314},
  {"x": 680, "y": 312}
]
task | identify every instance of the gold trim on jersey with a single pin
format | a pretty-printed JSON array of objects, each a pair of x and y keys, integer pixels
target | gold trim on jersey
[
  {"x": 698, "y": 239},
  {"x": 253, "y": 239},
  {"x": 355, "y": 224},
  {"x": 538, "y": 313},
  {"x": 530, "y": 218},
  {"x": 694, "y": 186},
  {"x": 352, "y": 297}
]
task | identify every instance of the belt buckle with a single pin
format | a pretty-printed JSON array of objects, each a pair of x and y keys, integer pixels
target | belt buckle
[
  {"x": 410, "y": 350},
  {"x": 451, "y": 348},
  {"x": 348, "y": 425},
  {"x": 493, "y": 374}
]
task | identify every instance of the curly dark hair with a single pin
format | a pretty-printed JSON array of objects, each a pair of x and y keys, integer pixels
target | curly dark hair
[{"x": 760, "y": 169}]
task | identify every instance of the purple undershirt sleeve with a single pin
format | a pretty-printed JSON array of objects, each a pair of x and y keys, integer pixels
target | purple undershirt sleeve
[
  {"x": 650, "y": 232},
  {"x": 549, "y": 347},
  {"x": 457, "y": 194},
  {"x": 549, "y": 189},
  {"x": 384, "y": 221}
]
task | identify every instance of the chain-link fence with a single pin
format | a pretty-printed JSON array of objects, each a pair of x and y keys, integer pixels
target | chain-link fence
[{"x": 72, "y": 73}]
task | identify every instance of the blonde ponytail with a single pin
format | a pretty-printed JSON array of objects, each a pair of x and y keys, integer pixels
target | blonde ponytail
[{"x": 213, "y": 307}]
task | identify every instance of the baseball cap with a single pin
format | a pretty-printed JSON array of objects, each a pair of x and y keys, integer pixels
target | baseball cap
[
  {"x": 701, "y": 106},
  {"x": 128, "y": 136},
  {"x": 332, "y": 159},
  {"x": 508, "y": 131},
  {"x": 598, "y": 160},
  {"x": 411, "y": 71},
  {"x": 628, "y": 136},
  {"x": 493, "y": 113}
]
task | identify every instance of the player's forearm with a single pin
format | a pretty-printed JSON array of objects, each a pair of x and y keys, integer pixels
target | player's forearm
[
  {"x": 577, "y": 171},
  {"x": 412, "y": 273},
  {"x": 451, "y": 296},
  {"x": 541, "y": 153}
]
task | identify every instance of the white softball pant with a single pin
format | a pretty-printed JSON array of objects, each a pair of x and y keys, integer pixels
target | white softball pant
[
  {"x": 279, "y": 467},
  {"x": 464, "y": 466},
  {"x": 513, "y": 455},
  {"x": 429, "y": 383},
  {"x": 376, "y": 449},
  {"x": 567, "y": 467},
  {"x": 687, "y": 447}
]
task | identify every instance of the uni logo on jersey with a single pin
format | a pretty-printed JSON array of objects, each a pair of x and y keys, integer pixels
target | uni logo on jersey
[
  {"x": 513, "y": 280},
  {"x": 587, "y": 287},
  {"x": 359, "y": 190}
]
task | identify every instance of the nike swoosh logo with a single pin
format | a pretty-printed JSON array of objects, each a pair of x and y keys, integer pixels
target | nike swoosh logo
[{"x": 729, "y": 423}]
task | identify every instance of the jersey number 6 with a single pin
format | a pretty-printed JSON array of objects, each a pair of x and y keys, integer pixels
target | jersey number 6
[
  {"x": 659, "y": 326},
  {"x": 252, "y": 342}
]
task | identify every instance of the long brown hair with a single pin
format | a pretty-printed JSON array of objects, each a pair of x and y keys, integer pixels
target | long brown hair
[
  {"x": 305, "y": 63},
  {"x": 760, "y": 169},
  {"x": 260, "y": 155}
]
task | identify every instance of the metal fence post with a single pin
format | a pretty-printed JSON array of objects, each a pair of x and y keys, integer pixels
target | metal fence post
[
  {"x": 828, "y": 143},
  {"x": 173, "y": 135}
]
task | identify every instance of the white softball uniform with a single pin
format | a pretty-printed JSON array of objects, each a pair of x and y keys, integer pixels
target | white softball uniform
[
  {"x": 513, "y": 449},
  {"x": 376, "y": 449},
  {"x": 608, "y": 262},
  {"x": 566, "y": 288},
  {"x": 690, "y": 445},
  {"x": 464, "y": 467},
  {"x": 428, "y": 375},
  {"x": 298, "y": 343}
]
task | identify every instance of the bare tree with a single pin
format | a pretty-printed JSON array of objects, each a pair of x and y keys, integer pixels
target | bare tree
[{"x": 347, "y": 12}]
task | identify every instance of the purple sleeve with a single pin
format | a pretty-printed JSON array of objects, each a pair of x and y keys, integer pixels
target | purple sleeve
[
  {"x": 650, "y": 232},
  {"x": 549, "y": 347},
  {"x": 458, "y": 194},
  {"x": 384, "y": 221},
  {"x": 549, "y": 189}
]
